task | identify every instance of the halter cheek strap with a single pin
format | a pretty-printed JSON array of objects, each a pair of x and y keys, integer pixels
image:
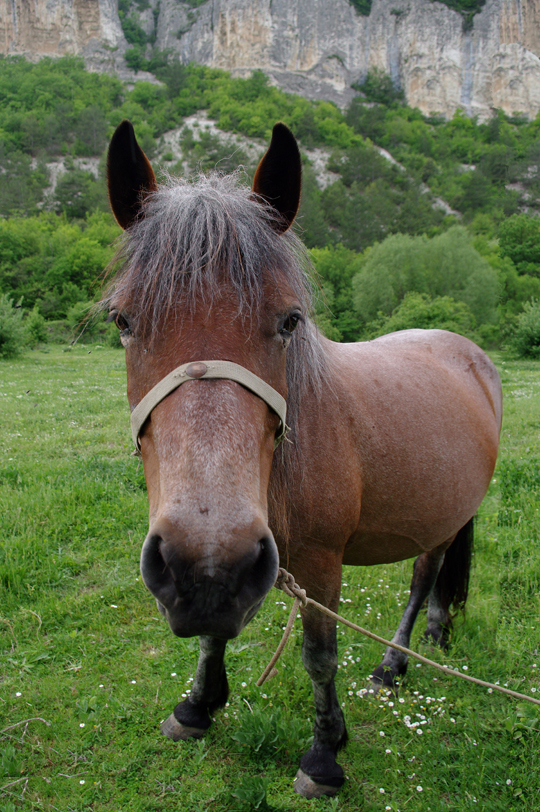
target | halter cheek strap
[{"x": 197, "y": 370}]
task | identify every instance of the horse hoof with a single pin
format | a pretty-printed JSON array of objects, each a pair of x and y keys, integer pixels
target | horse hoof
[
  {"x": 377, "y": 688},
  {"x": 306, "y": 786},
  {"x": 384, "y": 680},
  {"x": 437, "y": 638},
  {"x": 176, "y": 731}
]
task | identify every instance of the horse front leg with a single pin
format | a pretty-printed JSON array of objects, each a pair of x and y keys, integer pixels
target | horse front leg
[
  {"x": 319, "y": 773},
  {"x": 209, "y": 691},
  {"x": 394, "y": 663}
]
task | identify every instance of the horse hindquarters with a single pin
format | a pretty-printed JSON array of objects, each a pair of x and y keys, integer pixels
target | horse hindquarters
[{"x": 442, "y": 576}]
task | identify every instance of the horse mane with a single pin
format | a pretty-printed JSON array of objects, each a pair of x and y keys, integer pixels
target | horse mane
[{"x": 187, "y": 235}]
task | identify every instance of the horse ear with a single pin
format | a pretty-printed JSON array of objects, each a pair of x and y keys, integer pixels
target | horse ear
[
  {"x": 278, "y": 178},
  {"x": 130, "y": 177}
]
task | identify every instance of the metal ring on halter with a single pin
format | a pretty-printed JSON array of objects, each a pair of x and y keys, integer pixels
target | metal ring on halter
[{"x": 198, "y": 370}]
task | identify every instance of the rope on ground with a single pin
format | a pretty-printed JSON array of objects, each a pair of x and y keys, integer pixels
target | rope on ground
[{"x": 285, "y": 582}]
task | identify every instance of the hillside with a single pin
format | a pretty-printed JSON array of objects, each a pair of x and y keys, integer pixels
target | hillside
[
  {"x": 383, "y": 185},
  {"x": 444, "y": 56}
]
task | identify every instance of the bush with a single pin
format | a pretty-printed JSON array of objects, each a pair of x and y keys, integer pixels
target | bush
[
  {"x": 36, "y": 327},
  {"x": 379, "y": 87},
  {"x": 13, "y": 335},
  {"x": 526, "y": 338},
  {"x": 519, "y": 239},
  {"x": 420, "y": 310},
  {"x": 83, "y": 319},
  {"x": 59, "y": 331}
]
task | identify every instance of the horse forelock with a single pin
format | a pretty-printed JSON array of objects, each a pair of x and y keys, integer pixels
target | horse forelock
[{"x": 188, "y": 238}]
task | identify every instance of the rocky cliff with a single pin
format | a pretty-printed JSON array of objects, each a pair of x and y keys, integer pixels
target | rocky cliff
[
  {"x": 314, "y": 47},
  {"x": 90, "y": 28}
]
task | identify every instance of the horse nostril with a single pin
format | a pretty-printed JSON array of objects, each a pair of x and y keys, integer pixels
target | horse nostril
[
  {"x": 154, "y": 570},
  {"x": 263, "y": 571}
]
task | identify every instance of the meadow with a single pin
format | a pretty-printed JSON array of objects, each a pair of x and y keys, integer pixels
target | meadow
[{"x": 88, "y": 668}]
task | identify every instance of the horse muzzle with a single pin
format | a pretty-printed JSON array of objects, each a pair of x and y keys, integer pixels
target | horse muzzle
[{"x": 211, "y": 594}]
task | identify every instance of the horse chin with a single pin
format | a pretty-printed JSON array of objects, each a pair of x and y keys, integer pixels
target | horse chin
[
  {"x": 161, "y": 608},
  {"x": 224, "y": 626}
]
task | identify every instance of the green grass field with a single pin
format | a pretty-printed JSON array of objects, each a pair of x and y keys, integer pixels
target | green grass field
[{"x": 88, "y": 668}]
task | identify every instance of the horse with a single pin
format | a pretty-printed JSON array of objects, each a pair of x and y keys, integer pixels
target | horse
[{"x": 265, "y": 444}]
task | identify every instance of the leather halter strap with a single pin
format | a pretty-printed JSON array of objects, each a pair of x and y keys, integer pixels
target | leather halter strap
[{"x": 201, "y": 370}]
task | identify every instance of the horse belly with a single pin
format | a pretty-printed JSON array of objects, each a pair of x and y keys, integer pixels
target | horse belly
[{"x": 368, "y": 548}]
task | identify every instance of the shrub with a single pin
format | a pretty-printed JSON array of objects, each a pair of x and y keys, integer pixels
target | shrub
[
  {"x": 420, "y": 310},
  {"x": 13, "y": 335},
  {"x": 83, "y": 319},
  {"x": 526, "y": 338},
  {"x": 36, "y": 327},
  {"x": 519, "y": 239},
  {"x": 379, "y": 87}
]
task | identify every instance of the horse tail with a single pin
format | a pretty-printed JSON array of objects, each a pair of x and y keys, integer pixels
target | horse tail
[{"x": 453, "y": 579}]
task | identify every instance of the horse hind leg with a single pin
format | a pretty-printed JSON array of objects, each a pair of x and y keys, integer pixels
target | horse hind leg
[
  {"x": 442, "y": 575},
  {"x": 394, "y": 663},
  {"x": 209, "y": 691},
  {"x": 451, "y": 587}
]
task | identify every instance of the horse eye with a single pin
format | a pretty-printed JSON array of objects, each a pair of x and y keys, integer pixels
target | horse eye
[
  {"x": 290, "y": 322},
  {"x": 120, "y": 321}
]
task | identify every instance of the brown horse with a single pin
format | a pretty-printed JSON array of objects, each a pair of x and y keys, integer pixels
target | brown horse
[{"x": 391, "y": 447}]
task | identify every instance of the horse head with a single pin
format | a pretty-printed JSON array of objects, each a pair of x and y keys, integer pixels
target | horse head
[{"x": 205, "y": 277}]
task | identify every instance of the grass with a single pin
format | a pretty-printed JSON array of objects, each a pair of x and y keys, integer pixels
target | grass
[{"x": 85, "y": 656}]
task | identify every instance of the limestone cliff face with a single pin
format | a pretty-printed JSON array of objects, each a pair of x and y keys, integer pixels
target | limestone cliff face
[
  {"x": 320, "y": 47},
  {"x": 37, "y": 28},
  {"x": 314, "y": 47}
]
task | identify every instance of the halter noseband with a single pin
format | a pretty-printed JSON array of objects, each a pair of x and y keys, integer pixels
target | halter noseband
[{"x": 196, "y": 370}]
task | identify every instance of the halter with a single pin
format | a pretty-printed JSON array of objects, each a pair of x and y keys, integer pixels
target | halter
[{"x": 197, "y": 370}]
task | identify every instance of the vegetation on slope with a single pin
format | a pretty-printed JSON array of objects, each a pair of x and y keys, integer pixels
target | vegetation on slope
[{"x": 396, "y": 172}]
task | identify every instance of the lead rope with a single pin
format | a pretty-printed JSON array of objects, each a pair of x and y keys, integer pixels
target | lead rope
[{"x": 286, "y": 583}]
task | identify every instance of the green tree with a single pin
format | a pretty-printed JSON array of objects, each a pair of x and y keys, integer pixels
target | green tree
[
  {"x": 379, "y": 87},
  {"x": 91, "y": 131},
  {"x": 336, "y": 268},
  {"x": 36, "y": 328},
  {"x": 519, "y": 240},
  {"x": 526, "y": 337},
  {"x": 446, "y": 265},
  {"x": 78, "y": 192},
  {"x": 311, "y": 220}
]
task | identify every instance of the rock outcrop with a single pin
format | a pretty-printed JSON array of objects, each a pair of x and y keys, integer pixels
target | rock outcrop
[{"x": 314, "y": 47}]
